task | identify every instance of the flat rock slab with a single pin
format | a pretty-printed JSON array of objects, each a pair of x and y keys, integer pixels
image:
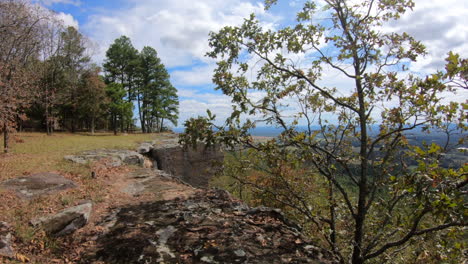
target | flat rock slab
[
  {"x": 37, "y": 185},
  {"x": 6, "y": 248},
  {"x": 208, "y": 227},
  {"x": 157, "y": 182},
  {"x": 116, "y": 157}
]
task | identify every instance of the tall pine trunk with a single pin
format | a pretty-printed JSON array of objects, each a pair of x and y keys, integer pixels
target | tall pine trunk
[
  {"x": 93, "y": 120},
  {"x": 47, "y": 109},
  {"x": 140, "y": 113},
  {"x": 114, "y": 123},
  {"x": 122, "y": 123}
]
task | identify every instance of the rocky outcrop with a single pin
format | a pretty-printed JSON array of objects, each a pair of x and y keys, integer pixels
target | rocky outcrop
[
  {"x": 36, "y": 185},
  {"x": 193, "y": 166},
  {"x": 145, "y": 148},
  {"x": 6, "y": 248},
  {"x": 209, "y": 227},
  {"x": 115, "y": 157},
  {"x": 67, "y": 221}
]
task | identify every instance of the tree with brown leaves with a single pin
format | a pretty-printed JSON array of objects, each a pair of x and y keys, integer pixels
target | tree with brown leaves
[{"x": 21, "y": 27}]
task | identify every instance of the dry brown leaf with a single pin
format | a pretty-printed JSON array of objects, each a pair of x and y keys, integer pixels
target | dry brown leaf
[{"x": 22, "y": 258}]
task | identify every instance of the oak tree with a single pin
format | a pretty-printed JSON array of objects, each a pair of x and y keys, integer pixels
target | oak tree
[
  {"x": 350, "y": 172},
  {"x": 22, "y": 28}
]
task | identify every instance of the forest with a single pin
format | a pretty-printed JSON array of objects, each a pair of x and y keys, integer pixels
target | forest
[{"x": 49, "y": 82}]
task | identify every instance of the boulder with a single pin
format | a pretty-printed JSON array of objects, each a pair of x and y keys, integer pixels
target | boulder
[
  {"x": 115, "y": 157},
  {"x": 6, "y": 248},
  {"x": 65, "y": 222},
  {"x": 35, "y": 185}
]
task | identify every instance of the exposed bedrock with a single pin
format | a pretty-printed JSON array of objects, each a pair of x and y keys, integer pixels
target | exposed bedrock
[
  {"x": 209, "y": 227},
  {"x": 193, "y": 166},
  {"x": 116, "y": 157},
  {"x": 39, "y": 184}
]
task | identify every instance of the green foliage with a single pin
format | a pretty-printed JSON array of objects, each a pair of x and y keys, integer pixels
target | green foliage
[
  {"x": 120, "y": 67},
  {"x": 157, "y": 95},
  {"x": 72, "y": 59},
  {"x": 372, "y": 206},
  {"x": 119, "y": 64},
  {"x": 92, "y": 96},
  {"x": 119, "y": 108},
  {"x": 146, "y": 80},
  {"x": 200, "y": 129}
]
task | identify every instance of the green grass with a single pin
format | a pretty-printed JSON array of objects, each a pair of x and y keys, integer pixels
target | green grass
[
  {"x": 36, "y": 152},
  {"x": 40, "y": 153}
]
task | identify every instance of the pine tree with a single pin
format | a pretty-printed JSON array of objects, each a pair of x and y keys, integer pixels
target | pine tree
[
  {"x": 92, "y": 96},
  {"x": 73, "y": 60},
  {"x": 158, "y": 97},
  {"x": 120, "y": 67}
]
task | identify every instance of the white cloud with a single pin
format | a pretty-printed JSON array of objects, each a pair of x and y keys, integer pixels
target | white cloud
[
  {"x": 200, "y": 102},
  {"x": 68, "y": 20},
  {"x": 67, "y": 2},
  {"x": 195, "y": 76},
  {"x": 441, "y": 26},
  {"x": 178, "y": 30}
]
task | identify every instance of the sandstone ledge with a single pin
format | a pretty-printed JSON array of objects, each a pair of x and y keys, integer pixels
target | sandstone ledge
[{"x": 209, "y": 227}]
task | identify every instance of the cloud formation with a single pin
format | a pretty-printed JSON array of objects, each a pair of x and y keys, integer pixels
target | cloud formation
[
  {"x": 68, "y": 20},
  {"x": 178, "y": 30},
  {"x": 198, "y": 75},
  {"x": 441, "y": 26},
  {"x": 66, "y": 2}
]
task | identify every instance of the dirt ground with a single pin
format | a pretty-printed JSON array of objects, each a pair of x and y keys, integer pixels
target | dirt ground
[
  {"x": 107, "y": 191},
  {"x": 38, "y": 248}
]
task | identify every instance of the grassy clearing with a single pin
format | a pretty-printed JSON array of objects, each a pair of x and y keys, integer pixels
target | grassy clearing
[
  {"x": 37, "y": 152},
  {"x": 40, "y": 153}
]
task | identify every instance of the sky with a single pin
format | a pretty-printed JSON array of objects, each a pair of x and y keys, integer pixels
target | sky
[{"x": 178, "y": 30}]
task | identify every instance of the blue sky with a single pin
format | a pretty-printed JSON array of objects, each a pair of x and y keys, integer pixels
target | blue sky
[{"x": 178, "y": 30}]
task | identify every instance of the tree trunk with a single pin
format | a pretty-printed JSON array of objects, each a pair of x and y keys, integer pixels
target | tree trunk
[
  {"x": 19, "y": 121},
  {"x": 47, "y": 126},
  {"x": 161, "y": 125},
  {"x": 142, "y": 118},
  {"x": 47, "y": 110},
  {"x": 92, "y": 124},
  {"x": 114, "y": 123},
  {"x": 47, "y": 120},
  {"x": 122, "y": 124},
  {"x": 360, "y": 218},
  {"x": 73, "y": 114},
  {"x": 331, "y": 198},
  {"x": 6, "y": 138},
  {"x": 51, "y": 125}
]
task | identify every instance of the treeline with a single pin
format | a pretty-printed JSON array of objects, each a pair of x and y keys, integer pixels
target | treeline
[
  {"x": 48, "y": 82},
  {"x": 140, "y": 78}
]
